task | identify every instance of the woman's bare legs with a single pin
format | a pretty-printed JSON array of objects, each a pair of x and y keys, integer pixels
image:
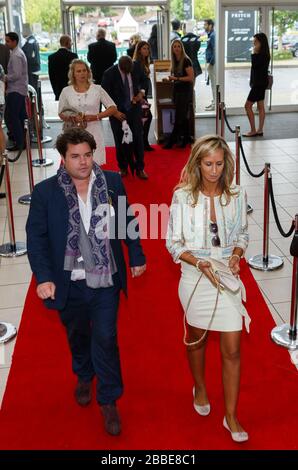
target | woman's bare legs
[
  {"x": 196, "y": 359},
  {"x": 261, "y": 109},
  {"x": 251, "y": 117},
  {"x": 230, "y": 354}
]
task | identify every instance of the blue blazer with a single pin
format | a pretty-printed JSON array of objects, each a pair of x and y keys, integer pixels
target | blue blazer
[{"x": 46, "y": 229}]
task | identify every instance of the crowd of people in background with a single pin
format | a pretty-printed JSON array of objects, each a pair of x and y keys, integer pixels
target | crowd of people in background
[{"x": 123, "y": 89}]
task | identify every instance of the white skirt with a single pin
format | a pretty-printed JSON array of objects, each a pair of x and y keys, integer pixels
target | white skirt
[{"x": 229, "y": 313}]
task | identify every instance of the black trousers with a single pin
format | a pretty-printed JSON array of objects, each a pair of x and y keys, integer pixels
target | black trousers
[
  {"x": 181, "y": 128},
  {"x": 15, "y": 115},
  {"x": 125, "y": 153},
  {"x": 146, "y": 129},
  {"x": 90, "y": 319}
]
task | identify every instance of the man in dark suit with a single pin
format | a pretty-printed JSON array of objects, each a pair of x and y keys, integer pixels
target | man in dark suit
[
  {"x": 101, "y": 55},
  {"x": 125, "y": 84},
  {"x": 76, "y": 222},
  {"x": 59, "y": 65}
]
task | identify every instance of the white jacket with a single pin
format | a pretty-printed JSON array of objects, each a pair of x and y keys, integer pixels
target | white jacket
[{"x": 188, "y": 228}]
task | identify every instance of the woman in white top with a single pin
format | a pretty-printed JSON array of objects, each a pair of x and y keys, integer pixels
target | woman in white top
[
  {"x": 208, "y": 219},
  {"x": 79, "y": 105}
]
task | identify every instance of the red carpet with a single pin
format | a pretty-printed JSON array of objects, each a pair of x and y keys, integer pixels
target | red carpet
[{"x": 39, "y": 411}]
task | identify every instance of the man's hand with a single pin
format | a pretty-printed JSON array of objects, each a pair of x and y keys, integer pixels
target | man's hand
[
  {"x": 46, "y": 290},
  {"x": 138, "y": 270},
  {"x": 138, "y": 97},
  {"x": 120, "y": 116}
]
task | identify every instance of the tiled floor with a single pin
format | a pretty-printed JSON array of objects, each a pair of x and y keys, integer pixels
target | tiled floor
[{"x": 15, "y": 273}]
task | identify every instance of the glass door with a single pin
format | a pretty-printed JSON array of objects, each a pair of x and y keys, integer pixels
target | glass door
[
  {"x": 240, "y": 27},
  {"x": 284, "y": 54}
]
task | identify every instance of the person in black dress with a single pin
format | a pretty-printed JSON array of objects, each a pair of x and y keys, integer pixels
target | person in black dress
[
  {"x": 142, "y": 57},
  {"x": 260, "y": 60},
  {"x": 152, "y": 41},
  {"x": 182, "y": 74}
]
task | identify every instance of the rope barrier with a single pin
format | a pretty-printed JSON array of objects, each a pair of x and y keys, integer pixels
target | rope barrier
[
  {"x": 226, "y": 121},
  {"x": 282, "y": 232},
  {"x": 255, "y": 175}
]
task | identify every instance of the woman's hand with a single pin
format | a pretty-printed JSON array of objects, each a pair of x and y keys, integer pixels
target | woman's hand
[
  {"x": 204, "y": 266},
  {"x": 172, "y": 78},
  {"x": 120, "y": 116},
  {"x": 234, "y": 264}
]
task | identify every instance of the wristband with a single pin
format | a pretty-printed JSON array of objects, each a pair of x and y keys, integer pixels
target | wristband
[{"x": 198, "y": 265}]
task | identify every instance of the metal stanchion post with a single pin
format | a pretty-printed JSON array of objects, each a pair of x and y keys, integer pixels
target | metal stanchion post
[
  {"x": 41, "y": 161},
  {"x": 7, "y": 332},
  {"x": 222, "y": 119},
  {"x": 26, "y": 199},
  {"x": 217, "y": 102},
  {"x": 266, "y": 262},
  {"x": 13, "y": 248},
  {"x": 237, "y": 154},
  {"x": 286, "y": 334},
  {"x": 47, "y": 138}
]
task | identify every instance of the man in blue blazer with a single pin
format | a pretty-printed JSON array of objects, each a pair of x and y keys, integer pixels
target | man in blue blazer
[
  {"x": 76, "y": 222},
  {"x": 125, "y": 83}
]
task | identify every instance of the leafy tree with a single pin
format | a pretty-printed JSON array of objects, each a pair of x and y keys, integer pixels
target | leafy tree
[
  {"x": 46, "y": 12},
  {"x": 284, "y": 20},
  {"x": 204, "y": 9},
  {"x": 137, "y": 11},
  {"x": 177, "y": 9},
  {"x": 81, "y": 11}
]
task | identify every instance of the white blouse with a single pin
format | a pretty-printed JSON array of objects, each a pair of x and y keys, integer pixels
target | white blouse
[
  {"x": 188, "y": 228},
  {"x": 88, "y": 103}
]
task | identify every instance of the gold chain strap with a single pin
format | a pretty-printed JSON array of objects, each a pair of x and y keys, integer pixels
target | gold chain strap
[{"x": 218, "y": 287}]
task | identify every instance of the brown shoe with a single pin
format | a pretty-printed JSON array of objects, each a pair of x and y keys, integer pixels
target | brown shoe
[
  {"x": 83, "y": 393},
  {"x": 111, "y": 418},
  {"x": 142, "y": 175},
  {"x": 123, "y": 172}
]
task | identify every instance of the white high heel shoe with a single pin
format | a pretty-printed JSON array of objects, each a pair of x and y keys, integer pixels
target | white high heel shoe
[
  {"x": 203, "y": 410},
  {"x": 241, "y": 436}
]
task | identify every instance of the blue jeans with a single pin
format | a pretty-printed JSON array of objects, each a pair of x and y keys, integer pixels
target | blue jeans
[{"x": 90, "y": 318}]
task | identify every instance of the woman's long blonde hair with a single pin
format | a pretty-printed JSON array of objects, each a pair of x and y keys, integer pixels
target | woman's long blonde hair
[
  {"x": 177, "y": 67},
  {"x": 138, "y": 56},
  {"x": 74, "y": 62},
  {"x": 191, "y": 178}
]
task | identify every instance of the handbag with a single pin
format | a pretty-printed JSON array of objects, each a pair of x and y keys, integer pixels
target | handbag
[
  {"x": 224, "y": 276},
  {"x": 270, "y": 81},
  {"x": 224, "y": 280},
  {"x": 145, "y": 109},
  {"x": 69, "y": 124}
]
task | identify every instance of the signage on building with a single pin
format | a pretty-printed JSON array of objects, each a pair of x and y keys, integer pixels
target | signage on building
[{"x": 240, "y": 31}]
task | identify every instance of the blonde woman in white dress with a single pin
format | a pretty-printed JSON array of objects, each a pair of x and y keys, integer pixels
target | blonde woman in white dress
[
  {"x": 208, "y": 219},
  {"x": 84, "y": 97}
]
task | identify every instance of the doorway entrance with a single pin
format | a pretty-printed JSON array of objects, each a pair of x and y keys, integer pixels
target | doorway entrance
[{"x": 236, "y": 26}]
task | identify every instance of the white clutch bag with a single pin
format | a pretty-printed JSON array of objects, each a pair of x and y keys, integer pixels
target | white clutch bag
[{"x": 224, "y": 276}]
